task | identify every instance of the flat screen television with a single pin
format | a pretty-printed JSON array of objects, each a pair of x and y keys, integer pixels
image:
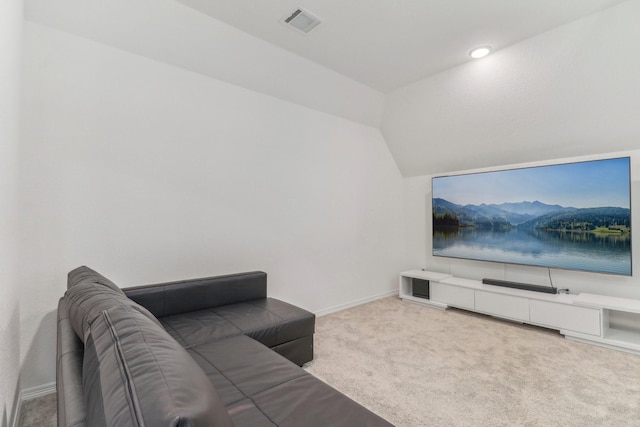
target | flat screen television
[{"x": 574, "y": 216}]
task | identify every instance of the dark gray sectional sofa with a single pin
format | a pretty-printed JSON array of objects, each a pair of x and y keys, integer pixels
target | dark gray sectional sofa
[{"x": 203, "y": 352}]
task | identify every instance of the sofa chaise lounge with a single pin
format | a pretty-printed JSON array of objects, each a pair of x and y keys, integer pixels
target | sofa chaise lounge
[{"x": 204, "y": 352}]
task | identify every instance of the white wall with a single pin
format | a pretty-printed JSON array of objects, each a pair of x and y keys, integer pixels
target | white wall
[
  {"x": 418, "y": 232},
  {"x": 568, "y": 92},
  {"x": 10, "y": 63},
  {"x": 148, "y": 172},
  {"x": 169, "y": 31}
]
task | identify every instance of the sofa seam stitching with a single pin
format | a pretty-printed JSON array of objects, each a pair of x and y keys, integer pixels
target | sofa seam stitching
[{"x": 236, "y": 387}]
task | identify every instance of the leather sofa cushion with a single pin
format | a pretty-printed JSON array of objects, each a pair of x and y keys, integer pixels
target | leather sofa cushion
[
  {"x": 260, "y": 388},
  {"x": 269, "y": 321},
  {"x": 135, "y": 374},
  {"x": 88, "y": 294}
]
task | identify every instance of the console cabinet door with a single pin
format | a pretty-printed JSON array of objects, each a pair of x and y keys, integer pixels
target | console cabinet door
[
  {"x": 507, "y": 306},
  {"x": 455, "y": 296},
  {"x": 562, "y": 316}
]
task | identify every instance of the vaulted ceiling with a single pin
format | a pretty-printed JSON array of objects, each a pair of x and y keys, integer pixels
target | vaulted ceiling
[
  {"x": 403, "y": 67},
  {"x": 387, "y": 44}
]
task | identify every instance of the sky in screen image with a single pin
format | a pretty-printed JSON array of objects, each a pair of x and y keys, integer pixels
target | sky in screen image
[{"x": 595, "y": 183}]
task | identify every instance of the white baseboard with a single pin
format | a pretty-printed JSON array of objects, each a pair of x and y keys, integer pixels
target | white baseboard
[
  {"x": 38, "y": 391},
  {"x": 340, "y": 307},
  {"x": 31, "y": 393}
]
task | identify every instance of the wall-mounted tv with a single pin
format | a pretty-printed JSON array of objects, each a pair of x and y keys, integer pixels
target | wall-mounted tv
[{"x": 574, "y": 216}]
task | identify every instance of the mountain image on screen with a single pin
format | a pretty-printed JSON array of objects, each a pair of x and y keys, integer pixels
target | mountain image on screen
[
  {"x": 531, "y": 215},
  {"x": 490, "y": 216}
]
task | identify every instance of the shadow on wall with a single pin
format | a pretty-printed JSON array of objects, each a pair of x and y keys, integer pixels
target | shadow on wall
[
  {"x": 39, "y": 365},
  {"x": 5, "y": 413},
  {"x": 10, "y": 361}
]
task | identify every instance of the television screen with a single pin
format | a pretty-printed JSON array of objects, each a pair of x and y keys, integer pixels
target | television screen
[{"x": 573, "y": 216}]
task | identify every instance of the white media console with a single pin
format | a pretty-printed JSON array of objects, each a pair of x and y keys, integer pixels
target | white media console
[{"x": 596, "y": 319}]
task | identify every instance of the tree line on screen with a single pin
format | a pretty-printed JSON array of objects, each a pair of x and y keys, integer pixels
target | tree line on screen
[
  {"x": 612, "y": 219},
  {"x": 448, "y": 216}
]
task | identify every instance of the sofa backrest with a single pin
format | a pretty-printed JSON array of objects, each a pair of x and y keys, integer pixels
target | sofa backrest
[
  {"x": 134, "y": 374},
  {"x": 183, "y": 296},
  {"x": 88, "y": 294}
]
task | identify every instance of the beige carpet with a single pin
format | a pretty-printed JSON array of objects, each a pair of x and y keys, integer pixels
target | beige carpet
[
  {"x": 39, "y": 412},
  {"x": 419, "y": 366}
]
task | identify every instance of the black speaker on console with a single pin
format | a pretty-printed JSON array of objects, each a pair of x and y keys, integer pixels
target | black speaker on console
[
  {"x": 518, "y": 285},
  {"x": 420, "y": 288}
]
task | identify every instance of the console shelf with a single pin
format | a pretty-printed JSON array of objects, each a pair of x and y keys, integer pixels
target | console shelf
[
  {"x": 606, "y": 321},
  {"x": 406, "y": 286},
  {"x": 620, "y": 320}
]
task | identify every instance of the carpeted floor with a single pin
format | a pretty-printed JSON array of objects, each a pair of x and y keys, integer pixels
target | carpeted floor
[
  {"x": 40, "y": 412},
  {"x": 418, "y": 366}
]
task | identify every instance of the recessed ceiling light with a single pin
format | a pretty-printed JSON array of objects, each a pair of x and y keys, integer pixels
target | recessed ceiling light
[{"x": 480, "y": 52}]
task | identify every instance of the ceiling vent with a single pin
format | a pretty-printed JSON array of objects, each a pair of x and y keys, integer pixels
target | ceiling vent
[{"x": 302, "y": 20}]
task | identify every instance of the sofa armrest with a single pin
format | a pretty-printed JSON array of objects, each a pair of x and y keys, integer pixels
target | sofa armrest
[
  {"x": 166, "y": 299},
  {"x": 70, "y": 352}
]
